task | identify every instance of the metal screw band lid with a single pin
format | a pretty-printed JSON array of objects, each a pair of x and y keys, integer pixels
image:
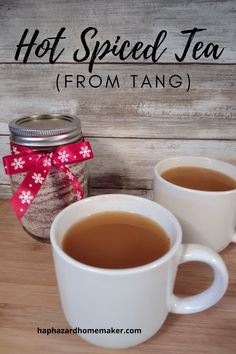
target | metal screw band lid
[{"x": 45, "y": 130}]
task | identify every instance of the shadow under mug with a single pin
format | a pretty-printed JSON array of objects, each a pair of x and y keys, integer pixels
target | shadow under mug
[
  {"x": 207, "y": 218},
  {"x": 127, "y": 299}
]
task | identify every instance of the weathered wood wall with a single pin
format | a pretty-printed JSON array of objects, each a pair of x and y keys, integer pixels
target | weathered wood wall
[{"x": 130, "y": 128}]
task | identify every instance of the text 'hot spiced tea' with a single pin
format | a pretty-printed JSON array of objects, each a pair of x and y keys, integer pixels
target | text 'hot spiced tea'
[{"x": 116, "y": 240}]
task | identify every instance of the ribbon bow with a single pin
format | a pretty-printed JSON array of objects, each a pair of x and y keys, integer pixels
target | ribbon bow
[{"x": 38, "y": 165}]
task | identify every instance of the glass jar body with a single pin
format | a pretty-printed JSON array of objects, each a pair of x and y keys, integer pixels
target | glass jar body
[{"x": 55, "y": 194}]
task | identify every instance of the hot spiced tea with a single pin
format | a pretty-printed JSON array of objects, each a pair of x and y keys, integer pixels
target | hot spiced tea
[
  {"x": 199, "y": 178},
  {"x": 116, "y": 240}
]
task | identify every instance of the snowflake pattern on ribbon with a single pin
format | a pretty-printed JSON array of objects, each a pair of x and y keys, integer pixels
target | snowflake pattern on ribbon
[
  {"x": 18, "y": 163},
  {"x": 47, "y": 162},
  {"x": 38, "y": 178},
  {"x": 26, "y": 197},
  {"x": 37, "y": 165},
  {"x": 70, "y": 175},
  {"x": 85, "y": 151},
  {"x": 63, "y": 156},
  {"x": 14, "y": 150}
]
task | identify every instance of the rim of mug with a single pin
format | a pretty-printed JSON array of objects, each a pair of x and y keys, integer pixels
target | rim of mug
[
  {"x": 198, "y": 191},
  {"x": 113, "y": 271}
]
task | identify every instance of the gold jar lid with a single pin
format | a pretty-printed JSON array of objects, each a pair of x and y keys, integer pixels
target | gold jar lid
[{"x": 45, "y": 130}]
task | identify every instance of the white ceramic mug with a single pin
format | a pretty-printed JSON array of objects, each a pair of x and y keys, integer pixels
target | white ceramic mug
[
  {"x": 133, "y": 298},
  {"x": 208, "y": 218}
]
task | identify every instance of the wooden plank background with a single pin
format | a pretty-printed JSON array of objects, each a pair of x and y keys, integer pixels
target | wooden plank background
[{"x": 130, "y": 128}]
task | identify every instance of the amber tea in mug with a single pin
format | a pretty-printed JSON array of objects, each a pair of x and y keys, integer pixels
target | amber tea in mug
[
  {"x": 116, "y": 240},
  {"x": 199, "y": 178}
]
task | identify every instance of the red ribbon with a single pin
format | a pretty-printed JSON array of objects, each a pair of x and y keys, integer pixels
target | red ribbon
[{"x": 38, "y": 165}]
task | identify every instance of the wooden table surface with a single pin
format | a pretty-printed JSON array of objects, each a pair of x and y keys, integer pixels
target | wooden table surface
[{"x": 29, "y": 300}]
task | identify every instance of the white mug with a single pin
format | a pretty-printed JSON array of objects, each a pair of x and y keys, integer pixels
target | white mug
[
  {"x": 138, "y": 298},
  {"x": 208, "y": 218}
]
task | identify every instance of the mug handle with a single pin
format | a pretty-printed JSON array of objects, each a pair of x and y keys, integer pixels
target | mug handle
[{"x": 209, "y": 297}]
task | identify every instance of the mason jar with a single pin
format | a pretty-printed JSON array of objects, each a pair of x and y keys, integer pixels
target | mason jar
[{"x": 46, "y": 133}]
